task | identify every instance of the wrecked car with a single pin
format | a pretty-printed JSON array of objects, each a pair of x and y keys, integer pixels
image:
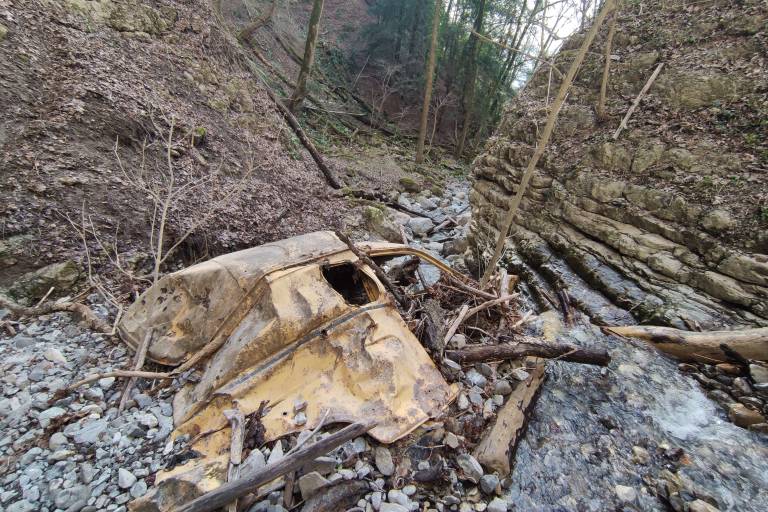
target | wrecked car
[{"x": 301, "y": 324}]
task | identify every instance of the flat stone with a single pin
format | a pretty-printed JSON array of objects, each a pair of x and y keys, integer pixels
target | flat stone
[
  {"x": 139, "y": 489},
  {"x": 420, "y": 225},
  {"x": 311, "y": 483},
  {"x": 54, "y": 355},
  {"x": 47, "y": 415},
  {"x": 91, "y": 432},
  {"x": 472, "y": 469},
  {"x": 383, "y": 459}
]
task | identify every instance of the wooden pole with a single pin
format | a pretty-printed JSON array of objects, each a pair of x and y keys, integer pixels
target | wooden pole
[
  {"x": 231, "y": 491},
  {"x": 544, "y": 140},
  {"x": 430, "y": 72}
]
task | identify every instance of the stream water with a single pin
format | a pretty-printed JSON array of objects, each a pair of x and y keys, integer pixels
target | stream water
[{"x": 577, "y": 454}]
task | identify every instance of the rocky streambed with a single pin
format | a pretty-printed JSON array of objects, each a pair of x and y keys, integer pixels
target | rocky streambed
[{"x": 638, "y": 435}]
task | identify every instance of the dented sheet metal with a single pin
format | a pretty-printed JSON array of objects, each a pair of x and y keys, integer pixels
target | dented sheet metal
[{"x": 299, "y": 323}]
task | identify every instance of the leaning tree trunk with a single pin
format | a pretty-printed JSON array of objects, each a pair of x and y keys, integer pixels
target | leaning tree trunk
[
  {"x": 430, "y": 72},
  {"x": 309, "y": 57}
]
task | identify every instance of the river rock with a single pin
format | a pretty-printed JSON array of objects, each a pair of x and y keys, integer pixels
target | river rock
[
  {"x": 497, "y": 505},
  {"x": 701, "y": 506},
  {"x": 125, "y": 479},
  {"x": 377, "y": 221},
  {"x": 472, "y": 469},
  {"x": 744, "y": 417},
  {"x": 392, "y": 507},
  {"x": 311, "y": 483},
  {"x": 625, "y": 494},
  {"x": 384, "y": 463},
  {"x": 489, "y": 483},
  {"x": 759, "y": 373},
  {"x": 420, "y": 225}
]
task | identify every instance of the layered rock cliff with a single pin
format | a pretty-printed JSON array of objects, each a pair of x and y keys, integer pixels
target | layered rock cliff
[{"x": 669, "y": 221}]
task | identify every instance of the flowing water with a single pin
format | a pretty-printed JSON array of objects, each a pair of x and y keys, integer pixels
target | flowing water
[{"x": 577, "y": 454}]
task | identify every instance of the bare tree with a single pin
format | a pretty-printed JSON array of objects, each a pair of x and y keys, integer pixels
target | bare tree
[
  {"x": 309, "y": 57},
  {"x": 429, "y": 72}
]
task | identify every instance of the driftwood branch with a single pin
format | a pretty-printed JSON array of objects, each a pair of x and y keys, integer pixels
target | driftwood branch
[
  {"x": 639, "y": 97},
  {"x": 230, "y": 491},
  {"x": 399, "y": 297},
  {"x": 570, "y": 353},
  {"x": 700, "y": 346},
  {"x": 119, "y": 373},
  {"x": 83, "y": 312}
]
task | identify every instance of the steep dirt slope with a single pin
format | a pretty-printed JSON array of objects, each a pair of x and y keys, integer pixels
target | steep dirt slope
[
  {"x": 669, "y": 221},
  {"x": 78, "y": 77}
]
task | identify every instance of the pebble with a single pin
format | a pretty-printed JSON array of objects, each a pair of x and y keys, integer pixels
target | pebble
[
  {"x": 106, "y": 383},
  {"x": 383, "y": 460},
  {"x": 640, "y": 455},
  {"x": 393, "y": 507},
  {"x": 399, "y": 497},
  {"x": 311, "y": 483},
  {"x": 625, "y": 494},
  {"x": 502, "y": 387},
  {"x": 520, "y": 374},
  {"x": 125, "y": 479},
  {"x": 470, "y": 467},
  {"x": 476, "y": 378},
  {"x": 489, "y": 483},
  {"x": 54, "y": 355},
  {"x": 57, "y": 440},
  {"x": 497, "y": 505}
]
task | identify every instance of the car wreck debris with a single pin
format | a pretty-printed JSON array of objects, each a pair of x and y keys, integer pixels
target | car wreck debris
[{"x": 273, "y": 348}]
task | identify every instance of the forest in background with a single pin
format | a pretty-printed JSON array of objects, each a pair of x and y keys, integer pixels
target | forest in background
[{"x": 486, "y": 50}]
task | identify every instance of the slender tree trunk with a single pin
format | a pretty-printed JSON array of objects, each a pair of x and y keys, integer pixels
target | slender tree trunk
[
  {"x": 309, "y": 57},
  {"x": 469, "y": 87},
  {"x": 430, "y": 72},
  {"x": 544, "y": 140},
  {"x": 606, "y": 67}
]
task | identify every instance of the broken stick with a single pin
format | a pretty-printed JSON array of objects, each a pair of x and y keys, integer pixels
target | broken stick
[
  {"x": 237, "y": 422},
  {"x": 644, "y": 90},
  {"x": 570, "y": 353},
  {"x": 230, "y": 491},
  {"x": 138, "y": 364}
]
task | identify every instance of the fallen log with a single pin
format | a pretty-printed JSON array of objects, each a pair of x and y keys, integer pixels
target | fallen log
[
  {"x": 230, "y": 491},
  {"x": 570, "y": 353},
  {"x": 497, "y": 448},
  {"x": 700, "y": 346}
]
